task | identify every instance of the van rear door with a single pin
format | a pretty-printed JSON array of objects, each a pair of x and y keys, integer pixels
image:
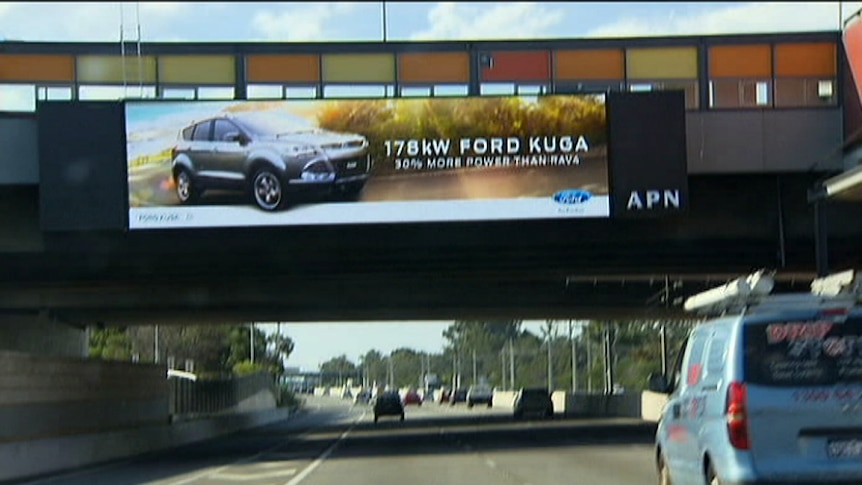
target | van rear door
[{"x": 803, "y": 380}]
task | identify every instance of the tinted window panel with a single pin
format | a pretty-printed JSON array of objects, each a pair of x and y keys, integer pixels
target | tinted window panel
[
  {"x": 222, "y": 128},
  {"x": 202, "y": 132},
  {"x": 804, "y": 353}
]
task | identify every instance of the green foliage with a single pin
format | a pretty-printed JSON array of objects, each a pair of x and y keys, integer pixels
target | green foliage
[
  {"x": 287, "y": 398},
  {"x": 246, "y": 367},
  {"x": 110, "y": 343},
  {"x": 215, "y": 349}
]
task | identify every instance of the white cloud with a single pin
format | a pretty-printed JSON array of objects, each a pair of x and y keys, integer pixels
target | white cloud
[
  {"x": 512, "y": 20},
  {"x": 742, "y": 18},
  {"x": 309, "y": 23}
]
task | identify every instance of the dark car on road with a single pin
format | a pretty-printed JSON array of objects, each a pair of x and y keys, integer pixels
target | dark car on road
[
  {"x": 388, "y": 404},
  {"x": 272, "y": 156},
  {"x": 534, "y": 402},
  {"x": 458, "y": 395}
]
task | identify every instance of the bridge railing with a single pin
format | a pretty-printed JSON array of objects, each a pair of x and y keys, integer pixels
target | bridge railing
[{"x": 211, "y": 396}]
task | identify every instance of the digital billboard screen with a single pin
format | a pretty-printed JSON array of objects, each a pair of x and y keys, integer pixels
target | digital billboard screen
[{"x": 266, "y": 163}]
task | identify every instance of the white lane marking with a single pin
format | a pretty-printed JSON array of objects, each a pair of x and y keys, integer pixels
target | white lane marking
[
  {"x": 244, "y": 477},
  {"x": 319, "y": 461}
]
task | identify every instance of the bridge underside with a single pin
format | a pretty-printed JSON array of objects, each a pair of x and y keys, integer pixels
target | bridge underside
[{"x": 541, "y": 269}]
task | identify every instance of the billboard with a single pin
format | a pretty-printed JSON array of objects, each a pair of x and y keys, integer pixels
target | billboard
[{"x": 265, "y": 163}]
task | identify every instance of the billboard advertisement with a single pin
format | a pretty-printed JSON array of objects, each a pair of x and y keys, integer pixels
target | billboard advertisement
[{"x": 271, "y": 163}]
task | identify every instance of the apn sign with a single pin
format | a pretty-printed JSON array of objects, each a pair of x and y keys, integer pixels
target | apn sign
[{"x": 653, "y": 199}]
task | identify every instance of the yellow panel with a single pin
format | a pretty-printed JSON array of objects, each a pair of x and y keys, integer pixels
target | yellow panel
[
  {"x": 662, "y": 63},
  {"x": 109, "y": 69},
  {"x": 362, "y": 68},
  {"x": 39, "y": 67},
  {"x": 198, "y": 70}
]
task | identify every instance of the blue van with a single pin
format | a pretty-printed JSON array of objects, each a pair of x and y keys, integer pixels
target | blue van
[{"x": 770, "y": 395}]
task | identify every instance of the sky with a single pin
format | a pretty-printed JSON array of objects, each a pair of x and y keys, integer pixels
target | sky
[
  {"x": 317, "y": 342},
  {"x": 406, "y": 21},
  {"x": 349, "y": 21}
]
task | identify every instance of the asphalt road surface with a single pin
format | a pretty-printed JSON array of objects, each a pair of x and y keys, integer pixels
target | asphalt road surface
[{"x": 331, "y": 442}]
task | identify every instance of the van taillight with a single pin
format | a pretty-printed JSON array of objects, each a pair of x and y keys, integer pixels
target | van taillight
[{"x": 737, "y": 418}]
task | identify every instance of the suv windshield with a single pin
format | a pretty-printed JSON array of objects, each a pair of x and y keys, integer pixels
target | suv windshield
[
  {"x": 273, "y": 123},
  {"x": 804, "y": 353}
]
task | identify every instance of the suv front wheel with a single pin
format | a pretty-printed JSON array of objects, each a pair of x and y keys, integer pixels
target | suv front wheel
[
  {"x": 267, "y": 189},
  {"x": 187, "y": 193}
]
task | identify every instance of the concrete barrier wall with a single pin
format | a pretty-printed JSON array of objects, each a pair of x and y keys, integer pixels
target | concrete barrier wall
[
  {"x": 38, "y": 334},
  {"x": 42, "y": 396},
  {"x": 632, "y": 405},
  {"x": 652, "y": 405},
  {"x": 25, "y": 459}
]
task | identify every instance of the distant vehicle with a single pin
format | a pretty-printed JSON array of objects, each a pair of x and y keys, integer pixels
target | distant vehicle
[
  {"x": 270, "y": 156},
  {"x": 412, "y": 397},
  {"x": 768, "y": 392},
  {"x": 362, "y": 397},
  {"x": 480, "y": 395},
  {"x": 443, "y": 395},
  {"x": 458, "y": 395},
  {"x": 533, "y": 402},
  {"x": 388, "y": 404}
]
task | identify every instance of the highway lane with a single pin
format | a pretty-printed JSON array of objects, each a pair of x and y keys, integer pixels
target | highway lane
[{"x": 332, "y": 442}]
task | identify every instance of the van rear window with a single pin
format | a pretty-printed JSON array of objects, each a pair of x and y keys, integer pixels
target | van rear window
[{"x": 804, "y": 353}]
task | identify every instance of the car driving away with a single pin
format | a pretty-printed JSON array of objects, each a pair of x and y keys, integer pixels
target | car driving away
[
  {"x": 533, "y": 402},
  {"x": 480, "y": 395},
  {"x": 388, "y": 404},
  {"x": 275, "y": 157}
]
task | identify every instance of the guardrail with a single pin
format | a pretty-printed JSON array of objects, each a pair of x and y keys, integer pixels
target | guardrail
[{"x": 216, "y": 395}]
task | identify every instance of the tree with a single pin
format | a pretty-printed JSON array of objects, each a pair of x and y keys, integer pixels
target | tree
[
  {"x": 110, "y": 343},
  {"x": 335, "y": 371},
  {"x": 374, "y": 367}
]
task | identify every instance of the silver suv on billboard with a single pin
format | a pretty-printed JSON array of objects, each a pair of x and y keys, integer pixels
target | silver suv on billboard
[{"x": 270, "y": 155}]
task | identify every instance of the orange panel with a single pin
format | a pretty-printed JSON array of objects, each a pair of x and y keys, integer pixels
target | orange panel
[
  {"x": 38, "y": 67},
  {"x": 740, "y": 61},
  {"x": 812, "y": 59},
  {"x": 283, "y": 68},
  {"x": 853, "y": 51},
  {"x": 589, "y": 64},
  {"x": 437, "y": 67},
  {"x": 517, "y": 66}
]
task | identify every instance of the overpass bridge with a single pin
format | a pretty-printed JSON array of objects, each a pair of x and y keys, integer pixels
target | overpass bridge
[{"x": 748, "y": 165}]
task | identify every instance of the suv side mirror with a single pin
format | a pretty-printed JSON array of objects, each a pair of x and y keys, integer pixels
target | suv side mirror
[
  {"x": 234, "y": 137},
  {"x": 659, "y": 383}
]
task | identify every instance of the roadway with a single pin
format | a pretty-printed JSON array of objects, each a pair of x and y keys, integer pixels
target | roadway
[{"x": 331, "y": 442}]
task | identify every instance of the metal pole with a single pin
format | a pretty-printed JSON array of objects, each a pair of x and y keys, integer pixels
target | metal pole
[
  {"x": 512, "y": 363},
  {"x": 475, "y": 373},
  {"x": 574, "y": 357},
  {"x": 503, "y": 366},
  {"x": 663, "y": 337},
  {"x": 550, "y": 367},
  {"x": 384, "y": 21},
  {"x": 251, "y": 342},
  {"x": 589, "y": 364},
  {"x": 156, "y": 346}
]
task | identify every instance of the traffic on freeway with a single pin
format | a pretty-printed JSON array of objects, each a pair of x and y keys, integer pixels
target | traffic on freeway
[{"x": 334, "y": 441}]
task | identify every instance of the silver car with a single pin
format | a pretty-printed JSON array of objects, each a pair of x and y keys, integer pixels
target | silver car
[{"x": 269, "y": 155}]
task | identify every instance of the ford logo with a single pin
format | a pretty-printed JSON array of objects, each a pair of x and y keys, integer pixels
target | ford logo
[{"x": 572, "y": 196}]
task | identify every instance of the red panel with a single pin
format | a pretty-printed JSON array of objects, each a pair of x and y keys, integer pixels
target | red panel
[{"x": 515, "y": 66}]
